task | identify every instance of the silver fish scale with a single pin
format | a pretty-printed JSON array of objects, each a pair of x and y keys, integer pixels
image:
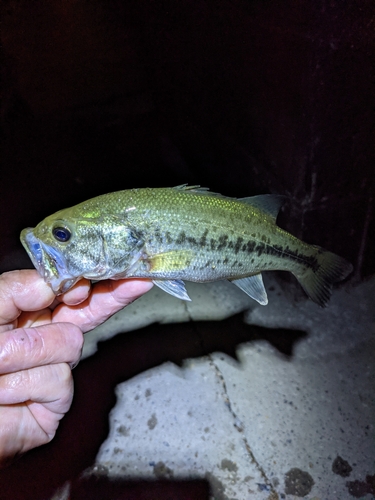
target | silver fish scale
[
  {"x": 216, "y": 253},
  {"x": 172, "y": 234}
]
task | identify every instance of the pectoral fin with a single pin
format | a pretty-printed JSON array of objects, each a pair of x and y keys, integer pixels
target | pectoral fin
[
  {"x": 254, "y": 287},
  {"x": 173, "y": 287},
  {"x": 174, "y": 260}
]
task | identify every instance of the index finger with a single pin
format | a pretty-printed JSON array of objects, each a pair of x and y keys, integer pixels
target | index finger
[
  {"x": 25, "y": 348},
  {"x": 20, "y": 291},
  {"x": 106, "y": 299}
]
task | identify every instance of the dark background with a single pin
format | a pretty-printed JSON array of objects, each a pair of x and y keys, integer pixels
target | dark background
[{"x": 245, "y": 97}]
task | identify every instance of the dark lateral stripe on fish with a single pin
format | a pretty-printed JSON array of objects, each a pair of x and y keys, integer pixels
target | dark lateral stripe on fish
[
  {"x": 203, "y": 239},
  {"x": 251, "y": 246},
  {"x": 222, "y": 242},
  {"x": 168, "y": 238},
  {"x": 238, "y": 245},
  {"x": 183, "y": 238},
  {"x": 279, "y": 251},
  {"x": 261, "y": 248},
  {"x": 158, "y": 236}
]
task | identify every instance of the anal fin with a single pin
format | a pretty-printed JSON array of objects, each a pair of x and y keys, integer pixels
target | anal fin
[
  {"x": 173, "y": 287},
  {"x": 254, "y": 287}
]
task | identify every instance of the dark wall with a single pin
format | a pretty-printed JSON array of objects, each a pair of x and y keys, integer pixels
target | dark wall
[{"x": 242, "y": 96}]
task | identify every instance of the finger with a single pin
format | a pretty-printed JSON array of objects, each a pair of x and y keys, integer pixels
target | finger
[
  {"x": 19, "y": 432},
  {"x": 32, "y": 403},
  {"x": 25, "y": 348},
  {"x": 34, "y": 318},
  {"x": 77, "y": 294},
  {"x": 29, "y": 319},
  {"x": 22, "y": 291},
  {"x": 8, "y": 326},
  {"x": 43, "y": 384},
  {"x": 106, "y": 299}
]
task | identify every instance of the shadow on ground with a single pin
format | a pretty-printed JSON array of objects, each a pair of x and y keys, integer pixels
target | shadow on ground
[{"x": 85, "y": 427}]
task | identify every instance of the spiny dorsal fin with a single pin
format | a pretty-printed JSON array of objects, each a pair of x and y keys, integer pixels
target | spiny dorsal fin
[
  {"x": 268, "y": 203},
  {"x": 196, "y": 189},
  {"x": 201, "y": 190},
  {"x": 185, "y": 187}
]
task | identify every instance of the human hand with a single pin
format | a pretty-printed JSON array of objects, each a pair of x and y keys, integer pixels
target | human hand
[{"x": 40, "y": 342}]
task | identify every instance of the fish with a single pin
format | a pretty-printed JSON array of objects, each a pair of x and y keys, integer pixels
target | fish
[{"x": 176, "y": 234}]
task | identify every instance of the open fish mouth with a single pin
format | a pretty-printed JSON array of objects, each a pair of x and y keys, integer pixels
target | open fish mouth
[{"x": 49, "y": 262}]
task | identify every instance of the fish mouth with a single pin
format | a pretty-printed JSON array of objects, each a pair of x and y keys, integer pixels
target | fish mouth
[{"x": 49, "y": 262}]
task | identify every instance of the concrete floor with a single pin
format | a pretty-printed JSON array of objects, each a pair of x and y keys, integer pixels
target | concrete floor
[
  {"x": 244, "y": 402},
  {"x": 289, "y": 413}
]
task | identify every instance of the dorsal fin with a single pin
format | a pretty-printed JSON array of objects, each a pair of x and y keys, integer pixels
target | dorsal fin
[
  {"x": 268, "y": 203},
  {"x": 201, "y": 190},
  {"x": 186, "y": 187}
]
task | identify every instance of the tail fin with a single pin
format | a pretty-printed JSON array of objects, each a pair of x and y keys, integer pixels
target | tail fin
[{"x": 318, "y": 282}]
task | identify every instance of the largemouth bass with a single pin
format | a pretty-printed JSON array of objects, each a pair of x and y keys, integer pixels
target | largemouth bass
[{"x": 173, "y": 234}]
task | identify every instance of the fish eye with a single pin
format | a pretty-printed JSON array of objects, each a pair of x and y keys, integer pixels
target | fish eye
[{"x": 61, "y": 233}]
